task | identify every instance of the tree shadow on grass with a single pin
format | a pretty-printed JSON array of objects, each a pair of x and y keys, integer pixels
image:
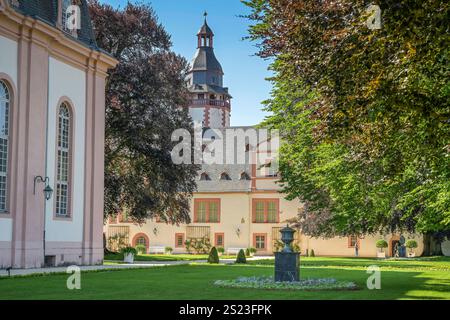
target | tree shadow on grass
[{"x": 394, "y": 285}]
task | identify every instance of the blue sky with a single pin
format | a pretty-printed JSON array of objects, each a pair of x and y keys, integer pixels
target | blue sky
[{"x": 245, "y": 73}]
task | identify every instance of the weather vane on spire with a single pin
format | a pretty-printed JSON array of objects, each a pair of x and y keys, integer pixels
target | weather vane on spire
[{"x": 205, "y": 14}]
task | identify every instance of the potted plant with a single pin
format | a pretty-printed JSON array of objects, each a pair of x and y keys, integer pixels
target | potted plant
[
  {"x": 141, "y": 249},
  {"x": 168, "y": 250},
  {"x": 411, "y": 245},
  {"x": 381, "y": 244},
  {"x": 128, "y": 254},
  {"x": 220, "y": 251}
]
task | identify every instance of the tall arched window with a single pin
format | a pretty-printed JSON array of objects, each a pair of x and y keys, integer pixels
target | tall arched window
[
  {"x": 4, "y": 141},
  {"x": 63, "y": 165}
]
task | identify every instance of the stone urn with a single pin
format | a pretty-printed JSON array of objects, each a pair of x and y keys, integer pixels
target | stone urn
[{"x": 287, "y": 262}]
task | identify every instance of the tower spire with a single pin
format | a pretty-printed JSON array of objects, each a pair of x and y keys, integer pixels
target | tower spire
[{"x": 205, "y": 35}]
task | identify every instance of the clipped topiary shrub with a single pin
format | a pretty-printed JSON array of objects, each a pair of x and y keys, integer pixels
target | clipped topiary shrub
[
  {"x": 411, "y": 245},
  {"x": 141, "y": 249},
  {"x": 213, "y": 256},
  {"x": 241, "y": 257},
  {"x": 381, "y": 244},
  {"x": 312, "y": 254},
  {"x": 221, "y": 250}
]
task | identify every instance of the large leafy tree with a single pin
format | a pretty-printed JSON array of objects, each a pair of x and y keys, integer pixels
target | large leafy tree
[
  {"x": 145, "y": 100},
  {"x": 365, "y": 112}
]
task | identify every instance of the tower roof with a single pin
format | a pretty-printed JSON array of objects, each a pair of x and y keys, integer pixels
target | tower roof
[
  {"x": 205, "y": 60},
  {"x": 205, "y": 30}
]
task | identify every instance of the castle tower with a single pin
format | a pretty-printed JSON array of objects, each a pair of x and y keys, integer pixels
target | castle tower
[{"x": 210, "y": 101}]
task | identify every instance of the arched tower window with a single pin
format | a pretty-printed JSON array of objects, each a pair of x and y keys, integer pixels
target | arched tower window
[
  {"x": 4, "y": 144},
  {"x": 63, "y": 162}
]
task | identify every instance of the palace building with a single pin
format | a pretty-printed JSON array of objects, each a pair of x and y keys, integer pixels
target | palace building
[
  {"x": 52, "y": 92},
  {"x": 236, "y": 206}
]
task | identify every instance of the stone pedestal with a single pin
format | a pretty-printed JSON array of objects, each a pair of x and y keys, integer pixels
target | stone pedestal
[{"x": 287, "y": 266}]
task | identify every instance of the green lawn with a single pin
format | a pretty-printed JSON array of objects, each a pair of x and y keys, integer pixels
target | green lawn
[
  {"x": 164, "y": 257},
  {"x": 411, "y": 279}
]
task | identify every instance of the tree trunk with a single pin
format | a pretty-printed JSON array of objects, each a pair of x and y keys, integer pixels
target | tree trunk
[
  {"x": 427, "y": 245},
  {"x": 431, "y": 247}
]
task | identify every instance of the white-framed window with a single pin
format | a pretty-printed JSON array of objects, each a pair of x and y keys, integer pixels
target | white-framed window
[
  {"x": 4, "y": 144},
  {"x": 63, "y": 162}
]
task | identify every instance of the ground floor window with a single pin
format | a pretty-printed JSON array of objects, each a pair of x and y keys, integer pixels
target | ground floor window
[
  {"x": 353, "y": 241},
  {"x": 260, "y": 241},
  {"x": 179, "y": 240},
  {"x": 141, "y": 241},
  {"x": 219, "y": 240}
]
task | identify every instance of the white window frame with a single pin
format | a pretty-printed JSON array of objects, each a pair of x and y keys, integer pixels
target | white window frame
[
  {"x": 5, "y": 107},
  {"x": 63, "y": 170}
]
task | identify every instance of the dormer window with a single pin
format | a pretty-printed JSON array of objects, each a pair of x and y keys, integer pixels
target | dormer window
[
  {"x": 224, "y": 176},
  {"x": 245, "y": 176},
  {"x": 204, "y": 177}
]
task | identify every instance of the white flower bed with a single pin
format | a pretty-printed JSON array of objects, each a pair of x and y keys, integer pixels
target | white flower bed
[{"x": 269, "y": 283}]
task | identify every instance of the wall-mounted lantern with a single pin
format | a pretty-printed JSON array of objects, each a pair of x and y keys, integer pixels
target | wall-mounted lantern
[
  {"x": 238, "y": 231},
  {"x": 48, "y": 191}
]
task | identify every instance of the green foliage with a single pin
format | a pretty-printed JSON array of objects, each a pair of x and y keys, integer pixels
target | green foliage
[
  {"x": 168, "y": 250},
  {"x": 117, "y": 242},
  {"x": 213, "y": 256},
  {"x": 146, "y": 97},
  {"x": 128, "y": 250},
  {"x": 221, "y": 250},
  {"x": 312, "y": 254},
  {"x": 201, "y": 245},
  {"x": 381, "y": 244},
  {"x": 241, "y": 257},
  {"x": 278, "y": 245},
  {"x": 141, "y": 249},
  {"x": 363, "y": 113},
  {"x": 411, "y": 244}
]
